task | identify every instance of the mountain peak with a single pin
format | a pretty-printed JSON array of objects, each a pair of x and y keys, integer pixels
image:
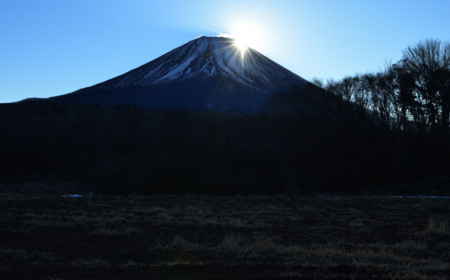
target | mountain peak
[
  {"x": 205, "y": 57},
  {"x": 210, "y": 68}
]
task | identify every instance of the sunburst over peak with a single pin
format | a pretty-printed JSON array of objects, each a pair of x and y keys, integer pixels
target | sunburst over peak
[{"x": 246, "y": 34}]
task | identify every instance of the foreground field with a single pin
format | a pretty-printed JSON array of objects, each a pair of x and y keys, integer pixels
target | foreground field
[{"x": 206, "y": 237}]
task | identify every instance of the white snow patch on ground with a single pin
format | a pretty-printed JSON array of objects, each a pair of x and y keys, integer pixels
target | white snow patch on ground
[{"x": 72, "y": 195}]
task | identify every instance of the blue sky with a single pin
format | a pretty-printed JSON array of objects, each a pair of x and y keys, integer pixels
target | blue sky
[{"x": 53, "y": 47}]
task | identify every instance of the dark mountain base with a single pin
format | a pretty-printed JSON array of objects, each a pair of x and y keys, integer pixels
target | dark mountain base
[
  {"x": 126, "y": 150},
  {"x": 216, "y": 93}
]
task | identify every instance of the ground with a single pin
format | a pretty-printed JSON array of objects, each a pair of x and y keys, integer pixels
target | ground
[{"x": 233, "y": 237}]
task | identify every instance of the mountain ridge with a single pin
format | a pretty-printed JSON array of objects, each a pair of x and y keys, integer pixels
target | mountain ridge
[{"x": 210, "y": 70}]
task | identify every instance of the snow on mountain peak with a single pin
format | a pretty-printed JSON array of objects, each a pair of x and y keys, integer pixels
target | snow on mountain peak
[{"x": 206, "y": 57}]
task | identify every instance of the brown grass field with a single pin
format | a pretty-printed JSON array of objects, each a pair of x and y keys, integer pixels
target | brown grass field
[{"x": 211, "y": 237}]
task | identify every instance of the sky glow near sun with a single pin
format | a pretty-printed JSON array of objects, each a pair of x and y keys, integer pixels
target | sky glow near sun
[{"x": 247, "y": 33}]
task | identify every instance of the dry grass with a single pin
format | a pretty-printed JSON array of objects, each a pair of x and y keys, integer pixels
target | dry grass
[
  {"x": 436, "y": 227},
  {"x": 231, "y": 243},
  {"x": 203, "y": 237}
]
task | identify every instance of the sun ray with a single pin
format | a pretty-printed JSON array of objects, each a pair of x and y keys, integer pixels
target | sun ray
[{"x": 246, "y": 35}]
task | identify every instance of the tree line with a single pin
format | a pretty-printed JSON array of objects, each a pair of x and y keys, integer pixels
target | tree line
[{"x": 412, "y": 95}]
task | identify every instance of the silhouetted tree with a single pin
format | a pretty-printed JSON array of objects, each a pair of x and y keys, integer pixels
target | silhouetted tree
[{"x": 428, "y": 64}]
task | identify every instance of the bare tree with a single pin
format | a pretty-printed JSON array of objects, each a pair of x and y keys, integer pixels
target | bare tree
[{"x": 428, "y": 64}]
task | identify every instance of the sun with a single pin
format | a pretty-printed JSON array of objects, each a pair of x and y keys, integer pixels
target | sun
[
  {"x": 246, "y": 35},
  {"x": 241, "y": 43}
]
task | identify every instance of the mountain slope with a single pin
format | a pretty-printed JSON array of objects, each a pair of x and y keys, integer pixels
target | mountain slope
[{"x": 205, "y": 73}]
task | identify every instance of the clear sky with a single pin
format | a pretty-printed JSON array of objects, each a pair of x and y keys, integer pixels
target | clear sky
[{"x": 53, "y": 47}]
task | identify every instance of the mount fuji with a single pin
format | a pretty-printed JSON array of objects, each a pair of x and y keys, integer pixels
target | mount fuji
[{"x": 208, "y": 73}]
